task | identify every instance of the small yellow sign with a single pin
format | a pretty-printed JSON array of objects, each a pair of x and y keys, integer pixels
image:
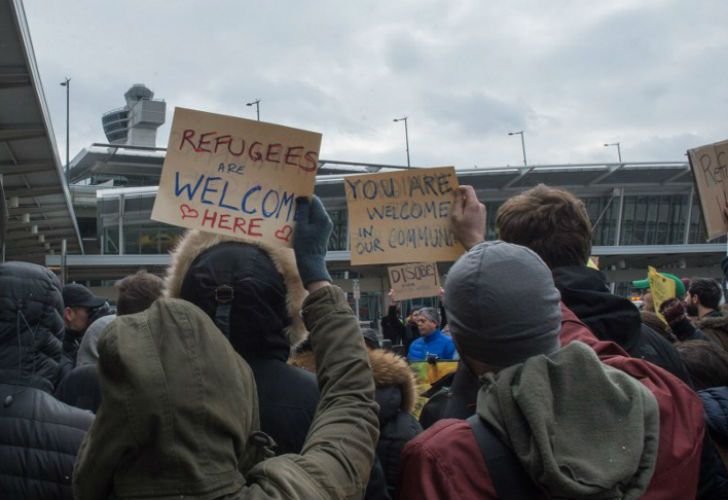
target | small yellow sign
[{"x": 662, "y": 287}]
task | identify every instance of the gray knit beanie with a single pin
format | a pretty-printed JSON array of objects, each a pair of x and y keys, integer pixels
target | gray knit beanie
[{"x": 502, "y": 305}]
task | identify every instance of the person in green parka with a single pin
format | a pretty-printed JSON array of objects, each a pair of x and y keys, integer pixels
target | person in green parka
[{"x": 179, "y": 415}]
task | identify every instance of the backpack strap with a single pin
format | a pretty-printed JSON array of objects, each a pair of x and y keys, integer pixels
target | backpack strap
[{"x": 510, "y": 479}]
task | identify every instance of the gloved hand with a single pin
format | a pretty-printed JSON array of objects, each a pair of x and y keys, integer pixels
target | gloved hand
[
  {"x": 310, "y": 239},
  {"x": 673, "y": 310}
]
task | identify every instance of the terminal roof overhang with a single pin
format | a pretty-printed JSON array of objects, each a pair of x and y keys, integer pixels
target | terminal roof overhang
[
  {"x": 40, "y": 212},
  {"x": 594, "y": 179}
]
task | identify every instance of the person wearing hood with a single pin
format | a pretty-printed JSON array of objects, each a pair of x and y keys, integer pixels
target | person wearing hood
[
  {"x": 39, "y": 435},
  {"x": 180, "y": 415},
  {"x": 395, "y": 394},
  {"x": 555, "y": 224},
  {"x": 594, "y": 308},
  {"x": 254, "y": 294},
  {"x": 541, "y": 403}
]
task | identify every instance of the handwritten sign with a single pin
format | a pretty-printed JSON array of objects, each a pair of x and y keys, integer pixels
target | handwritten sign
[
  {"x": 661, "y": 286},
  {"x": 710, "y": 171},
  {"x": 412, "y": 281},
  {"x": 234, "y": 176},
  {"x": 401, "y": 216}
]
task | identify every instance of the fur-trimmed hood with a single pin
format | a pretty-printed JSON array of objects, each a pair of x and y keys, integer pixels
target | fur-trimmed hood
[
  {"x": 714, "y": 322},
  {"x": 194, "y": 243},
  {"x": 304, "y": 359},
  {"x": 388, "y": 369},
  {"x": 716, "y": 328}
]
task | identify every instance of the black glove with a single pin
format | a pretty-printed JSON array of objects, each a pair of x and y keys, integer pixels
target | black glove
[{"x": 310, "y": 239}]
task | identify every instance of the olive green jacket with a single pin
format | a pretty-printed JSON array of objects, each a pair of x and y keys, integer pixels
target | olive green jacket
[{"x": 179, "y": 409}]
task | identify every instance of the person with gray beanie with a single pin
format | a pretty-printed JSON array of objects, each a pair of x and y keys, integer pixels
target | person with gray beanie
[
  {"x": 539, "y": 401},
  {"x": 532, "y": 311}
]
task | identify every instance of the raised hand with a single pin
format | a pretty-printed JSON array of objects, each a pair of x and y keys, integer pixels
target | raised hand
[
  {"x": 467, "y": 217},
  {"x": 311, "y": 239}
]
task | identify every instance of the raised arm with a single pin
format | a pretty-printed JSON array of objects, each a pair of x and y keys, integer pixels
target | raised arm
[{"x": 338, "y": 453}]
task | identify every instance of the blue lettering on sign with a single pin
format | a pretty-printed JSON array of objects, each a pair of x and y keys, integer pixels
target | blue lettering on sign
[
  {"x": 271, "y": 203},
  {"x": 186, "y": 187},
  {"x": 244, "y": 202}
]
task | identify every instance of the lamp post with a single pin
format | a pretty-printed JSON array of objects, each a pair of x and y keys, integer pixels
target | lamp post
[
  {"x": 257, "y": 107},
  {"x": 619, "y": 150},
  {"x": 67, "y": 83},
  {"x": 523, "y": 145},
  {"x": 406, "y": 137}
]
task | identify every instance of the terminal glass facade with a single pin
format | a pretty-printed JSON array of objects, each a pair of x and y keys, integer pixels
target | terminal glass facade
[
  {"x": 124, "y": 220},
  {"x": 125, "y": 227}
]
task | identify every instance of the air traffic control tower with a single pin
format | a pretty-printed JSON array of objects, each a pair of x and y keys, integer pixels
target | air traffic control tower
[{"x": 136, "y": 123}]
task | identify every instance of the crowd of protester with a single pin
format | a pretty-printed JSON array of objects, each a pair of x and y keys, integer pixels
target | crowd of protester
[{"x": 244, "y": 373}]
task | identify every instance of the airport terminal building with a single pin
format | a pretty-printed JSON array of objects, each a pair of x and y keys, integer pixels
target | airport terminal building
[{"x": 95, "y": 226}]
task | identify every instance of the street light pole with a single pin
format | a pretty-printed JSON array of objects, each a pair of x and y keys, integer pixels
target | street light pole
[
  {"x": 619, "y": 150},
  {"x": 67, "y": 83},
  {"x": 257, "y": 107},
  {"x": 406, "y": 137},
  {"x": 523, "y": 145}
]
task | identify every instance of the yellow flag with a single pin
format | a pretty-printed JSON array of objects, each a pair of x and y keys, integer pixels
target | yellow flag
[
  {"x": 662, "y": 287},
  {"x": 593, "y": 262}
]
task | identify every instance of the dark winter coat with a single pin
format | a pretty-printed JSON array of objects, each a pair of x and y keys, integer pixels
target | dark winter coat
[
  {"x": 715, "y": 402},
  {"x": 609, "y": 317},
  {"x": 716, "y": 329},
  {"x": 81, "y": 388},
  {"x": 179, "y": 415},
  {"x": 39, "y": 435},
  {"x": 393, "y": 327},
  {"x": 395, "y": 394}
]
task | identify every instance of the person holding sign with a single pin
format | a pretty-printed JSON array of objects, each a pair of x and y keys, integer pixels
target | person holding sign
[
  {"x": 554, "y": 419},
  {"x": 432, "y": 344},
  {"x": 179, "y": 416},
  {"x": 555, "y": 224}
]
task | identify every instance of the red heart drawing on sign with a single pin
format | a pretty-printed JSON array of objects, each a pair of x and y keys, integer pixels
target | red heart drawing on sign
[
  {"x": 284, "y": 233},
  {"x": 188, "y": 211}
]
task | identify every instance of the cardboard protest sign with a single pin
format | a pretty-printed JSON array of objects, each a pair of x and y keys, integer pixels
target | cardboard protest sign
[
  {"x": 401, "y": 216},
  {"x": 412, "y": 281},
  {"x": 710, "y": 172},
  {"x": 662, "y": 287},
  {"x": 235, "y": 177}
]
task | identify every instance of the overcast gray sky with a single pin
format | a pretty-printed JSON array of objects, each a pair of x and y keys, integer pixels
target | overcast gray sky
[{"x": 573, "y": 74}]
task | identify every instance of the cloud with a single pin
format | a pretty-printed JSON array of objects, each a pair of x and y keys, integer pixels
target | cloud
[{"x": 572, "y": 75}]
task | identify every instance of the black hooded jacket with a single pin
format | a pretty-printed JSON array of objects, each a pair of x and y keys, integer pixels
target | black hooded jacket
[
  {"x": 609, "y": 317},
  {"x": 238, "y": 286},
  {"x": 39, "y": 435}
]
